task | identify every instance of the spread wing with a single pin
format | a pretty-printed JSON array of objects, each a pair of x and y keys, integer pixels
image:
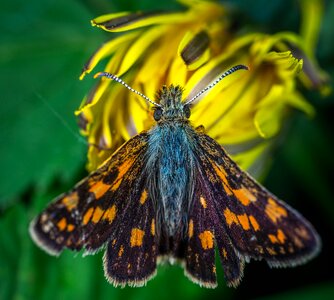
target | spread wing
[
  {"x": 110, "y": 208},
  {"x": 242, "y": 219}
]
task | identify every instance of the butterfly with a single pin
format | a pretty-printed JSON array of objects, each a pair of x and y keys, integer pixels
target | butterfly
[{"x": 172, "y": 193}]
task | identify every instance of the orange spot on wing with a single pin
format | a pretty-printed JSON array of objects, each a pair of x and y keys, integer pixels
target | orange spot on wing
[
  {"x": 244, "y": 196},
  {"x": 122, "y": 169},
  {"x": 254, "y": 223},
  {"x": 70, "y": 227},
  {"x": 191, "y": 229},
  {"x": 273, "y": 238},
  {"x": 302, "y": 232},
  {"x": 99, "y": 188},
  {"x": 116, "y": 185},
  {"x": 206, "y": 238},
  {"x": 87, "y": 215},
  {"x": 153, "y": 227},
  {"x": 200, "y": 129},
  {"x": 281, "y": 236},
  {"x": 259, "y": 249},
  {"x": 203, "y": 202},
  {"x": 271, "y": 251},
  {"x": 243, "y": 220},
  {"x": 224, "y": 253},
  {"x": 98, "y": 212},
  {"x": 143, "y": 197},
  {"x": 62, "y": 224},
  {"x": 121, "y": 251},
  {"x": 110, "y": 214},
  {"x": 275, "y": 211},
  {"x": 136, "y": 238},
  {"x": 230, "y": 217},
  {"x": 71, "y": 201},
  {"x": 297, "y": 241},
  {"x": 222, "y": 175}
]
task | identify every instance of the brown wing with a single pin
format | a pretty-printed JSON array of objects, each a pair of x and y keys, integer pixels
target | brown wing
[
  {"x": 242, "y": 218},
  {"x": 110, "y": 207}
]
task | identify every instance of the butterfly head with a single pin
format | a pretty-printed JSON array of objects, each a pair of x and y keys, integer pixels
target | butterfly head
[{"x": 171, "y": 106}]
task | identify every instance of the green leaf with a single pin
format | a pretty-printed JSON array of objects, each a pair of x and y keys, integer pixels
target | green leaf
[{"x": 42, "y": 51}]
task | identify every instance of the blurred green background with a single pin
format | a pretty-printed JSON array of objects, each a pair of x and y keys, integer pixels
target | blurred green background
[{"x": 43, "y": 46}]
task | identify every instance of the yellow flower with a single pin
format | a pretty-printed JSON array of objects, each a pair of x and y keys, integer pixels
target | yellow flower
[{"x": 244, "y": 112}]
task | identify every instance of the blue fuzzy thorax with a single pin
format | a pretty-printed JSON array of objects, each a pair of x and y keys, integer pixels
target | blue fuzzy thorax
[{"x": 171, "y": 159}]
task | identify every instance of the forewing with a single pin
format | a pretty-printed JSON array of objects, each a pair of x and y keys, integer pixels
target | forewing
[
  {"x": 110, "y": 206},
  {"x": 250, "y": 222}
]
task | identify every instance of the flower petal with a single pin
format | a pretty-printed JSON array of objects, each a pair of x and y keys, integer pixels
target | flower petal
[
  {"x": 298, "y": 101},
  {"x": 93, "y": 97},
  {"x": 268, "y": 118},
  {"x": 105, "y": 50},
  {"x": 252, "y": 159},
  {"x": 194, "y": 49},
  {"x": 312, "y": 12},
  {"x": 158, "y": 64},
  {"x": 140, "y": 45},
  {"x": 312, "y": 77},
  {"x": 285, "y": 64},
  {"x": 126, "y": 21}
]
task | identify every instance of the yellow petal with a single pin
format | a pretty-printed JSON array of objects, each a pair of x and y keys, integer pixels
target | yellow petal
[
  {"x": 194, "y": 49},
  {"x": 126, "y": 21},
  {"x": 268, "y": 120},
  {"x": 139, "y": 46},
  {"x": 94, "y": 96},
  {"x": 269, "y": 116},
  {"x": 178, "y": 72},
  {"x": 157, "y": 64},
  {"x": 247, "y": 158},
  {"x": 106, "y": 50},
  {"x": 312, "y": 12},
  {"x": 298, "y": 101}
]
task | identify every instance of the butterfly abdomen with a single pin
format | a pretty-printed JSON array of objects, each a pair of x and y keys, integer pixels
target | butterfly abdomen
[{"x": 171, "y": 184}]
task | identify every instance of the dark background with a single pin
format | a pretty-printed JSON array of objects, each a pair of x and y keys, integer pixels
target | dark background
[{"x": 43, "y": 46}]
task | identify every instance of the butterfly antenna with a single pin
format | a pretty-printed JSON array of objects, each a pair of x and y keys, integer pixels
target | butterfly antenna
[
  {"x": 210, "y": 86},
  {"x": 114, "y": 77}
]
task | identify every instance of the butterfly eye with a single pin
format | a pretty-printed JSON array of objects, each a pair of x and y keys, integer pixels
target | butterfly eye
[
  {"x": 186, "y": 111},
  {"x": 157, "y": 114}
]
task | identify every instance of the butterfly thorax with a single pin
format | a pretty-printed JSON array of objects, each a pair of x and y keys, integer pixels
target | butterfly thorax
[{"x": 170, "y": 156}]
